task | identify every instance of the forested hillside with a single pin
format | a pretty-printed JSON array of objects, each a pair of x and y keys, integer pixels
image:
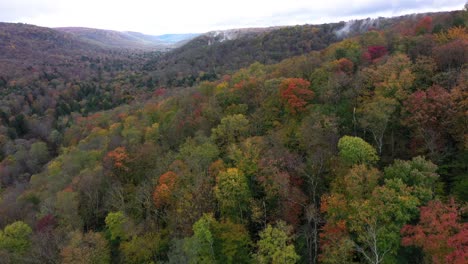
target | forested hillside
[
  {"x": 127, "y": 39},
  {"x": 214, "y": 54},
  {"x": 330, "y": 145}
]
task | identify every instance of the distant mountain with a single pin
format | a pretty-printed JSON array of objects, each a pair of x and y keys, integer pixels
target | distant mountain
[
  {"x": 29, "y": 52},
  {"x": 127, "y": 39},
  {"x": 217, "y": 52},
  {"x": 115, "y": 39}
]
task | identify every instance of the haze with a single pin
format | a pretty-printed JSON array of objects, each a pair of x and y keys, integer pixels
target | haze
[{"x": 179, "y": 16}]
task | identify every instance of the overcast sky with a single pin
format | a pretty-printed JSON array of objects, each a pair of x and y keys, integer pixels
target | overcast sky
[{"x": 198, "y": 16}]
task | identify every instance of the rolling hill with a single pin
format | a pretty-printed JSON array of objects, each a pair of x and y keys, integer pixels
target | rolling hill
[{"x": 213, "y": 54}]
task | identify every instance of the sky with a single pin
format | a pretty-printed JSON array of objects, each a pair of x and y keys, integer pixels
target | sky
[{"x": 198, "y": 16}]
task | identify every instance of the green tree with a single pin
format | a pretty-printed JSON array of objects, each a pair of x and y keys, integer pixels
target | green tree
[
  {"x": 232, "y": 192},
  {"x": 418, "y": 173},
  {"x": 118, "y": 225},
  {"x": 354, "y": 150},
  {"x": 275, "y": 245},
  {"x": 231, "y": 129},
  {"x": 374, "y": 115},
  {"x": 198, "y": 153},
  {"x": 376, "y": 222},
  {"x": 15, "y": 238},
  {"x": 369, "y": 216},
  {"x": 141, "y": 249},
  {"x": 232, "y": 242},
  {"x": 218, "y": 242},
  {"x": 200, "y": 247}
]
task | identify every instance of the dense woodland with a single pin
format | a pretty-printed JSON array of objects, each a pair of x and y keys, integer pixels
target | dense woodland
[{"x": 330, "y": 148}]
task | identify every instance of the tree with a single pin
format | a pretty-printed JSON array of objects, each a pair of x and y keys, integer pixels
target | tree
[
  {"x": 393, "y": 79},
  {"x": 118, "y": 157},
  {"x": 67, "y": 207},
  {"x": 424, "y": 26},
  {"x": 358, "y": 183},
  {"x": 424, "y": 69},
  {"x": 88, "y": 248},
  {"x": 441, "y": 233},
  {"x": 152, "y": 133},
  {"x": 141, "y": 249},
  {"x": 118, "y": 225},
  {"x": 233, "y": 193},
  {"x": 365, "y": 218},
  {"x": 375, "y": 52},
  {"x": 295, "y": 94},
  {"x": 163, "y": 191},
  {"x": 376, "y": 222},
  {"x": 336, "y": 245},
  {"x": 428, "y": 114},
  {"x": 39, "y": 154},
  {"x": 198, "y": 153},
  {"x": 218, "y": 242},
  {"x": 231, "y": 129},
  {"x": 280, "y": 179},
  {"x": 200, "y": 247},
  {"x": 375, "y": 116},
  {"x": 275, "y": 245},
  {"x": 452, "y": 55},
  {"x": 354, "y": 150},
  {"x": 418, "y": 173},
  {"x": 15, "y": 237},
  {"x": 232, "y": 242}
]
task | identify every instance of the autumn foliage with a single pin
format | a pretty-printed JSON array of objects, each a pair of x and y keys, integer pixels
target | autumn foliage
[
  {"x": 295, "y": 94},
  {"x": 118, "y": 157},
  {"x": 440, "y": 233},
  {"x": 424, "y": 26},
  {"x": 345, "y": 65},
  {"x": 163, "y": 190},
  {"x": 376, "y": 52}
]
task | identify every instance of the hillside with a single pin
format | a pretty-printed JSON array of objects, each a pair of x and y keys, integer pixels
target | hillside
[
  {"x": 27, "y": 50},
  {"x": 127, "y": 39},
  {"x": 337, "y": 143},
  {"x": 213, "y": 54}
]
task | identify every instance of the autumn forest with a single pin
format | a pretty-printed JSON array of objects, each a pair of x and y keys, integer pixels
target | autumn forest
[{"x": 300, "y": 144}]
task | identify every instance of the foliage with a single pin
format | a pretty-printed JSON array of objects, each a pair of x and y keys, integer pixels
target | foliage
[
  {"x": 15, "y": 237},
  {"x": 141, "y": 249},
  {"x": 274, "y": 245},
  {"x": 440, "y": 233},
  {"x": 163, "y": 191},
  {"x": 295, "y": 93},
  {"x": 88, "y": 248},
  {"x": 126, "y": 156},
  {"x": 355, "y": 150},
  {"x": 232, "y": 192},
  {"x": 117, "y": 224},
  {"x": 217, "y": 242},
  {"x": 231, "y": 129}
]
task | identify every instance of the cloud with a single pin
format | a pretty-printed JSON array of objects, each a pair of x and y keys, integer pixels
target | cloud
[{"x": 179, "y": 16}]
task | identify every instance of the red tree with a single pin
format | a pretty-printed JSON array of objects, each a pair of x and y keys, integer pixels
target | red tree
[
  {"x": 376, "y": 52},
  {"x": 345, "y": 65},
  {"x": 163, "y": 190},
  {"x": 46, "y": 223},
  {"x": 424, "y": 26},
  {"x": 440, "y": 233},
  {"x": 118, "y": 157},
  {"x": 429, "y": 114},
  {"x": 295, "y": 94}
]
